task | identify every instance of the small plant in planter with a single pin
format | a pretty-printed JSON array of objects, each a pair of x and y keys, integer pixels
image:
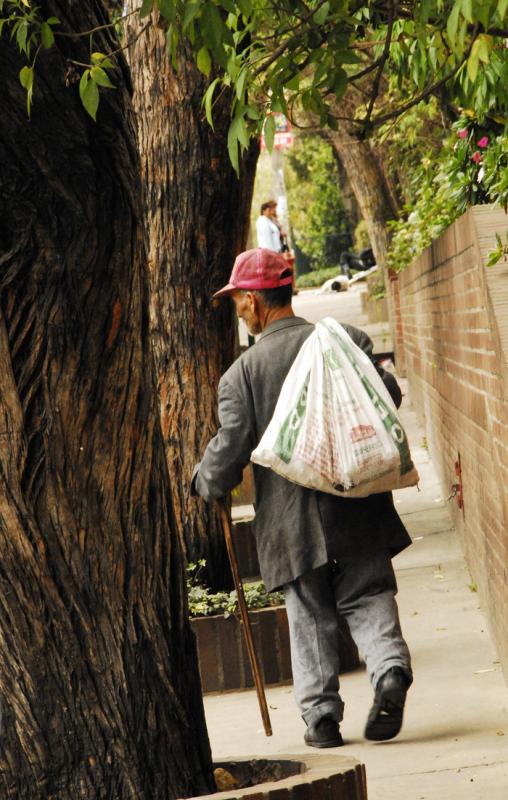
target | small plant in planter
[
  {"x": 203, "y": 602},
  {"x": 223, "y": 658}
]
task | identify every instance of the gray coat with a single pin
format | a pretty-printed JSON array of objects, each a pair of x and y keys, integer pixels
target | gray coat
[{"x": 296, "y": 529}]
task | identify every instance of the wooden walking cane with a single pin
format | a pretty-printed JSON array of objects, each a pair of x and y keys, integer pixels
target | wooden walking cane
[{"x": 244, "y": 614}]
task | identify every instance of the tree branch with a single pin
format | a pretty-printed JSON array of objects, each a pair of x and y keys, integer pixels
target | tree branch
[
  {"x": 98, "y": 28},
  {"x": 382, "y": 61},
  {"x": 498, "y": 32},
  {"x": 282, "y": 47},
  {"x": 118, "y": 50},
  {"x": 365, "y": 71},
  {"x": 426, "y": 92}
]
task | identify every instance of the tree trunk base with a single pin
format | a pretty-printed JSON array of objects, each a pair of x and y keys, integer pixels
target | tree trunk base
[{"x": 306, "y": 777}]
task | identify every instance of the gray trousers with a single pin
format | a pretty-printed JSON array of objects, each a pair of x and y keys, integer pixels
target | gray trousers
[{"x": 361, "y": 589}]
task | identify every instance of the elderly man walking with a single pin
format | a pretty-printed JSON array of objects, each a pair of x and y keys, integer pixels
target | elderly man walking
[{"x": 332, "y": 555}]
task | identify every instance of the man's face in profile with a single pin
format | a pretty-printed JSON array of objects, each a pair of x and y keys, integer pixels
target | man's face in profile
[{"x": 246, "y": 304}]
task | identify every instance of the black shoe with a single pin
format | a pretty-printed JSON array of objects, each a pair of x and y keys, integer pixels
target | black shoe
[
  {"x": 324, "y": 733},
  {"x": 385, "y": 717}
]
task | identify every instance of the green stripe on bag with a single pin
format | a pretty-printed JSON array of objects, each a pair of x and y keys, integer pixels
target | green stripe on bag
[
  {"x": 388, "y": 418},
  {"x": 290, "y": 428}
]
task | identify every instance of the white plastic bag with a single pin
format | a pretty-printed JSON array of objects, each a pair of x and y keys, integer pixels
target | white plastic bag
[{"x": 335, "y": 427}]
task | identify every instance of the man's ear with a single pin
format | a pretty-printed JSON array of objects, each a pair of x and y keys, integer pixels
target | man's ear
[{"x": 253, "y": 300}]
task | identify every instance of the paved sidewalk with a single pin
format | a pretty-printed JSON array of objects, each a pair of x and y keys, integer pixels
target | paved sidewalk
[{"x": 454, "y": 743}]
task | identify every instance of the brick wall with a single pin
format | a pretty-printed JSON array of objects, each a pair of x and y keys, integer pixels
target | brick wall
[{"x": 454, "y": 317}]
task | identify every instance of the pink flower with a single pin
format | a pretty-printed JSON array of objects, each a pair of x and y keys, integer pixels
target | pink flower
[
  {"x": 462, "y": 134},
  {"x": 476, "y": 157},
  {"x": 483, "y": 141}
]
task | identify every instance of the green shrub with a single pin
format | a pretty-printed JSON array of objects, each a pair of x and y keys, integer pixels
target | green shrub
[
  {"x": 204, "y": 603},
  {"x": 471, "y": 169}
]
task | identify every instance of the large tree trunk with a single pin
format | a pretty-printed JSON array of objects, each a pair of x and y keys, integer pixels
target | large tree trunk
[
  {"x": 98, "y": 671},
  {"x": 371, "y": 188},
  {"x": 198, "y": 216},
  {"x": 379, "y": 203}
]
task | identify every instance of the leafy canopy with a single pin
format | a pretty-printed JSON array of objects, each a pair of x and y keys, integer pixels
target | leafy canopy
[
  {"x": 301, "y": 55},
  {"x": 296, "y": 55}
]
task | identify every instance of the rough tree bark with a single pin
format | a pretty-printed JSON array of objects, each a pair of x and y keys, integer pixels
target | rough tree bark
[
  {"x": 378, "y": 204},
  {"x": 379, "y": 201},
  {"x": 98, "y": 671},
  {"x": 374, "y": 195},
  {"x": 197, "y": 215}
]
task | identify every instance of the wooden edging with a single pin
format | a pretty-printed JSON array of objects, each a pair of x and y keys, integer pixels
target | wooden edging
[
  {"x": 223, "y": 658},
  {"x": 325, "y": 777}
]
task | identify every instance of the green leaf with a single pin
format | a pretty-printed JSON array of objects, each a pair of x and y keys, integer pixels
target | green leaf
[
  {"x": 191, "y": 11},
  {"x": 208, "y": 101},
  {"x": 21, "y": 35},
  {"x": 425, "y": 9},
  {"x": 452, "y": 24},
  {"x": 233, "y": 147},
  {"x": 253, "y": 113},
  {"x": 461, "y": 37},
  {"x": 348, "y": 57},
  {"x": 497, "y": 254},
  {"x": 172, "y": 44},
  {"x": 279, "y": 103},
  {"x": 269, "y": 132},
  {"x": 243, "y": 134},
  {"x": 240, "y": 84},
  {"x": 320, "y": 72},
  {"x": 101, "y": 77},
  {"x": 47, "y": 35},
  {"x": 29, "y": 100},
  {"x": 304, "y": 99},
  {"x": 482, "y": 13},
  {"x": 167, "y": 9},
  {"x": 502, "y": 6},
  {"x": 102, "y": 60},
  {"x": 245, "y": 7},
  {"x": 53, "y": 21},
  {"x": 204, "y": 61},
  {"x": 340, "y": 83},
  {"x": 26, "y": 77},
  {"x": 467, "y": 10},
  {"x": 212, "y": 27},
  {"x": 146, "y": 8},
  {"x": 473, "y": 62},
  {"x": 485, "y": 44},
  {"x": 232, "y": 67},
  {"x": 293, "y": 84},
  {"x": 89, "y": 94},
  {"x": 238, "y": 130},
  {"x": 321, "y": 14}
]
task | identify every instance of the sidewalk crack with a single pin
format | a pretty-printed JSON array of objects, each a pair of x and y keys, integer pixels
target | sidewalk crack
[{"x": 445, "y": 769}]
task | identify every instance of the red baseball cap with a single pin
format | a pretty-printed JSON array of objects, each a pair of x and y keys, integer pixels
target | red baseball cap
[{"x": 258, "y": 269}]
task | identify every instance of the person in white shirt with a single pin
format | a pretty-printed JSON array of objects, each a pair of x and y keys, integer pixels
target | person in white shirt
[{"x": 268, "y": 227}]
